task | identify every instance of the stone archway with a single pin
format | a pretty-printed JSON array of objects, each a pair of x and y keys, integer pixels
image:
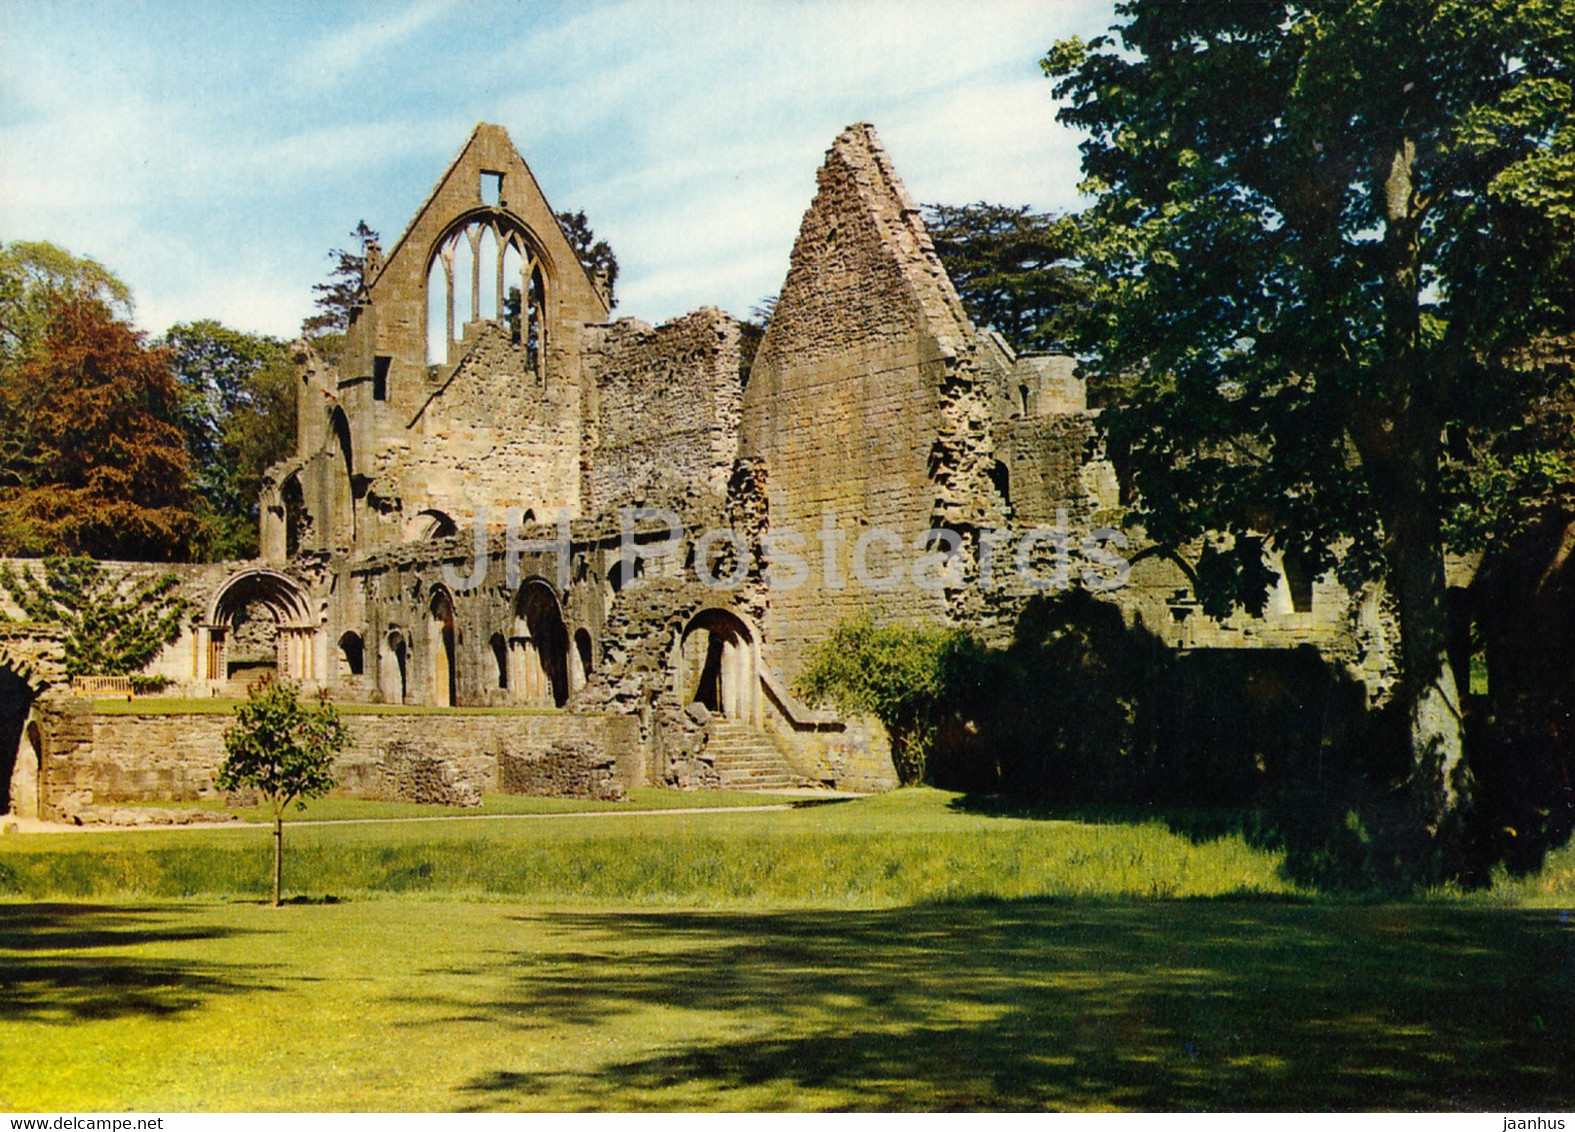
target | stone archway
[
  {"x": 260, "y": 622},
  {"x": 393, "y": 659},
  {"x": 440, "y": 623},
  {"x": 718, "y": 666},
  {"x": 21, "y": 747},
  {"x": 539, "y": 647}
]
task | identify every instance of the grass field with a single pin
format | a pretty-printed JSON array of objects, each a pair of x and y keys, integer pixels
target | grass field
[{"x": 907, "y": 951}]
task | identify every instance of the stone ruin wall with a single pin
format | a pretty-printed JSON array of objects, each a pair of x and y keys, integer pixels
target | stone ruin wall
[
  {"x": 843, "y": 403},
  {"x": 95, "y": 761},
  {"x": 664, "y": 423},
  {"x": 493, "y": 437}
]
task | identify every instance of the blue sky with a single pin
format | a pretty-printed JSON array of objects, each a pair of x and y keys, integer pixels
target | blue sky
[{"x": 212, "y": 152}]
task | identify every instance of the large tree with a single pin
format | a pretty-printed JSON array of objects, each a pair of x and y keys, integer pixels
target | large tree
[
  {"x": 239, "y": 417},
  {"x": 34, "y": 273},
  {"x": 92, "y": 457},
  {"x": 1015, "y": 270},
  {"x": 596, "y": 255},
  {"x": 1324, "y": 232},
  {"x": 341, "y": 292}
]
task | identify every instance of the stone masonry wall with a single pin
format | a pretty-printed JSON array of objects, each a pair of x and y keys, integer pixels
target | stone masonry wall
[
  {"x": 843, "y": 403},
  {"x": 99, "y": 759},
  {"x": 665, "y": 421}
]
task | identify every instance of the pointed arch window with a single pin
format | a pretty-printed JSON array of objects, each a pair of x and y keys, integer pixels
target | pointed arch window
[{"x": 486, "y": 270}]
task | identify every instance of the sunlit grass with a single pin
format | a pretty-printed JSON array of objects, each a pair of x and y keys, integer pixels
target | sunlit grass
[
  {"x": 1013, "y": 1004},
  {"x": 337, "y": 808},
  {"x": 911, "y": 846}
]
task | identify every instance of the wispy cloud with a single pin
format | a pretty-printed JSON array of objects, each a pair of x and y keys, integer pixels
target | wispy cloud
[
  {"x": 212, "y": 154},
  {"x": 341, "y": 56}
]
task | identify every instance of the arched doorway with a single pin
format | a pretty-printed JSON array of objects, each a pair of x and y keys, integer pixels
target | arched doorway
[
  {"x": 445, "y": 683},
  {"x": 260, "y": 622},
  {"x": 540, "y": 646},
  {"x": 393, "y": 658},
  {"x": 580, "y": 666},
  {"x": 717, "y": 666},
  {"x": 344, "y": 485},
  {"x": 24, "y": 790},
  {"x": 350, "y": 653}
]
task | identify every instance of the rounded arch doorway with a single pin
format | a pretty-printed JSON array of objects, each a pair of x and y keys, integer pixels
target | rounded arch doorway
[
  {"x": 539, "y": 646},
  {"x": 718, "y": 666}
]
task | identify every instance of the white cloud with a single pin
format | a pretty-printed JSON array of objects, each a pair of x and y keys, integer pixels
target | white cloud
[
  {"x": 212, "y": 161},
  {"x": 340, "y": 56}
]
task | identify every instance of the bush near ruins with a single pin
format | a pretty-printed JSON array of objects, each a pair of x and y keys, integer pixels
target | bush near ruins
[
  {"x": 112, "y": 628},
  {"x": 283, "y": 751},
  {"x": 893, "y": 672}
]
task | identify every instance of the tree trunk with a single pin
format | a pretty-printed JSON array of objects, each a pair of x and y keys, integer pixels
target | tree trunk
[
  {"x": 1405, "y": 472},
  {"x": 1439, "y": 785},
  {"x": 278, "y": 855}
]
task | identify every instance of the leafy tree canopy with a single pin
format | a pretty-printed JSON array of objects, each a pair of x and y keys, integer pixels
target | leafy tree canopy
[
  {"x": 1324, "y": 232},
  {"x": 33, "y": 273},
  {"x": 112, "y": 627},
  {"x": 93, "y": 459},
  {"x": 239, "y": 418},
  {"x": 1014, "y": 269},
  {"x": 282, "y": 750},
  {"x": 341, "y": 292},
  {"x": 596, "y": 255}
]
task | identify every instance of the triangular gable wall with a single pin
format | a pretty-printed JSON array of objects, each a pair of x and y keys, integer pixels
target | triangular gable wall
[{"x": 849, "y": 391}]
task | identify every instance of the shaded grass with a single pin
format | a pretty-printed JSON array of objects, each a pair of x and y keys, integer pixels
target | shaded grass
[
  {"x": 902, "y": 848},
  {"x": 978, "y": 1004}
]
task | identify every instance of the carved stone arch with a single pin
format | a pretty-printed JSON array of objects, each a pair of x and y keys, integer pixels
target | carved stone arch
[
  {"x": 454, "y": 273},
  {"x": 539, "y": 645},
  {"x": 393, "y": 666},
  {"x": 718, "y": 665},
  {"x": 430, "y": 524},
  {"x": 235, "y": 641},
  {"x": 442, "y": 644},
  {"x": 344, "y": 470}
]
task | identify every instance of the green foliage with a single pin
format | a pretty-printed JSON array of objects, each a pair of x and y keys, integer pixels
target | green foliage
[
  {"x": 111, "y": 628},
  {"x": 596, "y": 256},
  {"x": 282, "y": 751},
  {"x": 279, "y": 748},
  {"x": 340, "y": 294},
  {"x": 893, "y": 672},
  {"x": 35, "y": 274},
  {"x": 1014, "y": 269},
  {"x": 1326, "y": 237},
  {"x": 239, "y": 418},
  {"x": 1322, "y": 233}
]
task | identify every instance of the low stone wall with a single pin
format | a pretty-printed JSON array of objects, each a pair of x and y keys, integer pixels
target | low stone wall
[{"x": 449, "y": 757}]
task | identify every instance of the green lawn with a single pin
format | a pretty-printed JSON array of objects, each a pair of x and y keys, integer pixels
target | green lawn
[
  {"x": 905, "y": 951},
  {"x": 1016, "y": 1004},
  {"x": 336, "y": 808}
]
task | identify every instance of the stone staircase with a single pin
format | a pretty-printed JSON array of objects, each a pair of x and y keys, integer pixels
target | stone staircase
[{"x": 746, "y": 759}]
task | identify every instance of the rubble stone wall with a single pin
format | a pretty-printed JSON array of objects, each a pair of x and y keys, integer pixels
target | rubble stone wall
[
  {"x": 665, "y": 421},
  {"x": 99, "y": 759}
]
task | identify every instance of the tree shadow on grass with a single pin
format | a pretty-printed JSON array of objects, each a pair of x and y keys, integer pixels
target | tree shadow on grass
[
  {"x": 64, "y": 963},
  {"x": 1038, "y": 1004}
]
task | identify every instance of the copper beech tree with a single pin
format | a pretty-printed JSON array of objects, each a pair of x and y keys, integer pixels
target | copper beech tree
[{"x": 92, "y": 456}]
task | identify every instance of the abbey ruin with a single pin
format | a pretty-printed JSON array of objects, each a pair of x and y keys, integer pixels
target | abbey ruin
[{"x": 502, "y": 499}]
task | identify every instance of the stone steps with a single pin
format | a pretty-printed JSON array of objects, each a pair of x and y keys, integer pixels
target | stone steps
[{"x": 746, "y": 759}]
